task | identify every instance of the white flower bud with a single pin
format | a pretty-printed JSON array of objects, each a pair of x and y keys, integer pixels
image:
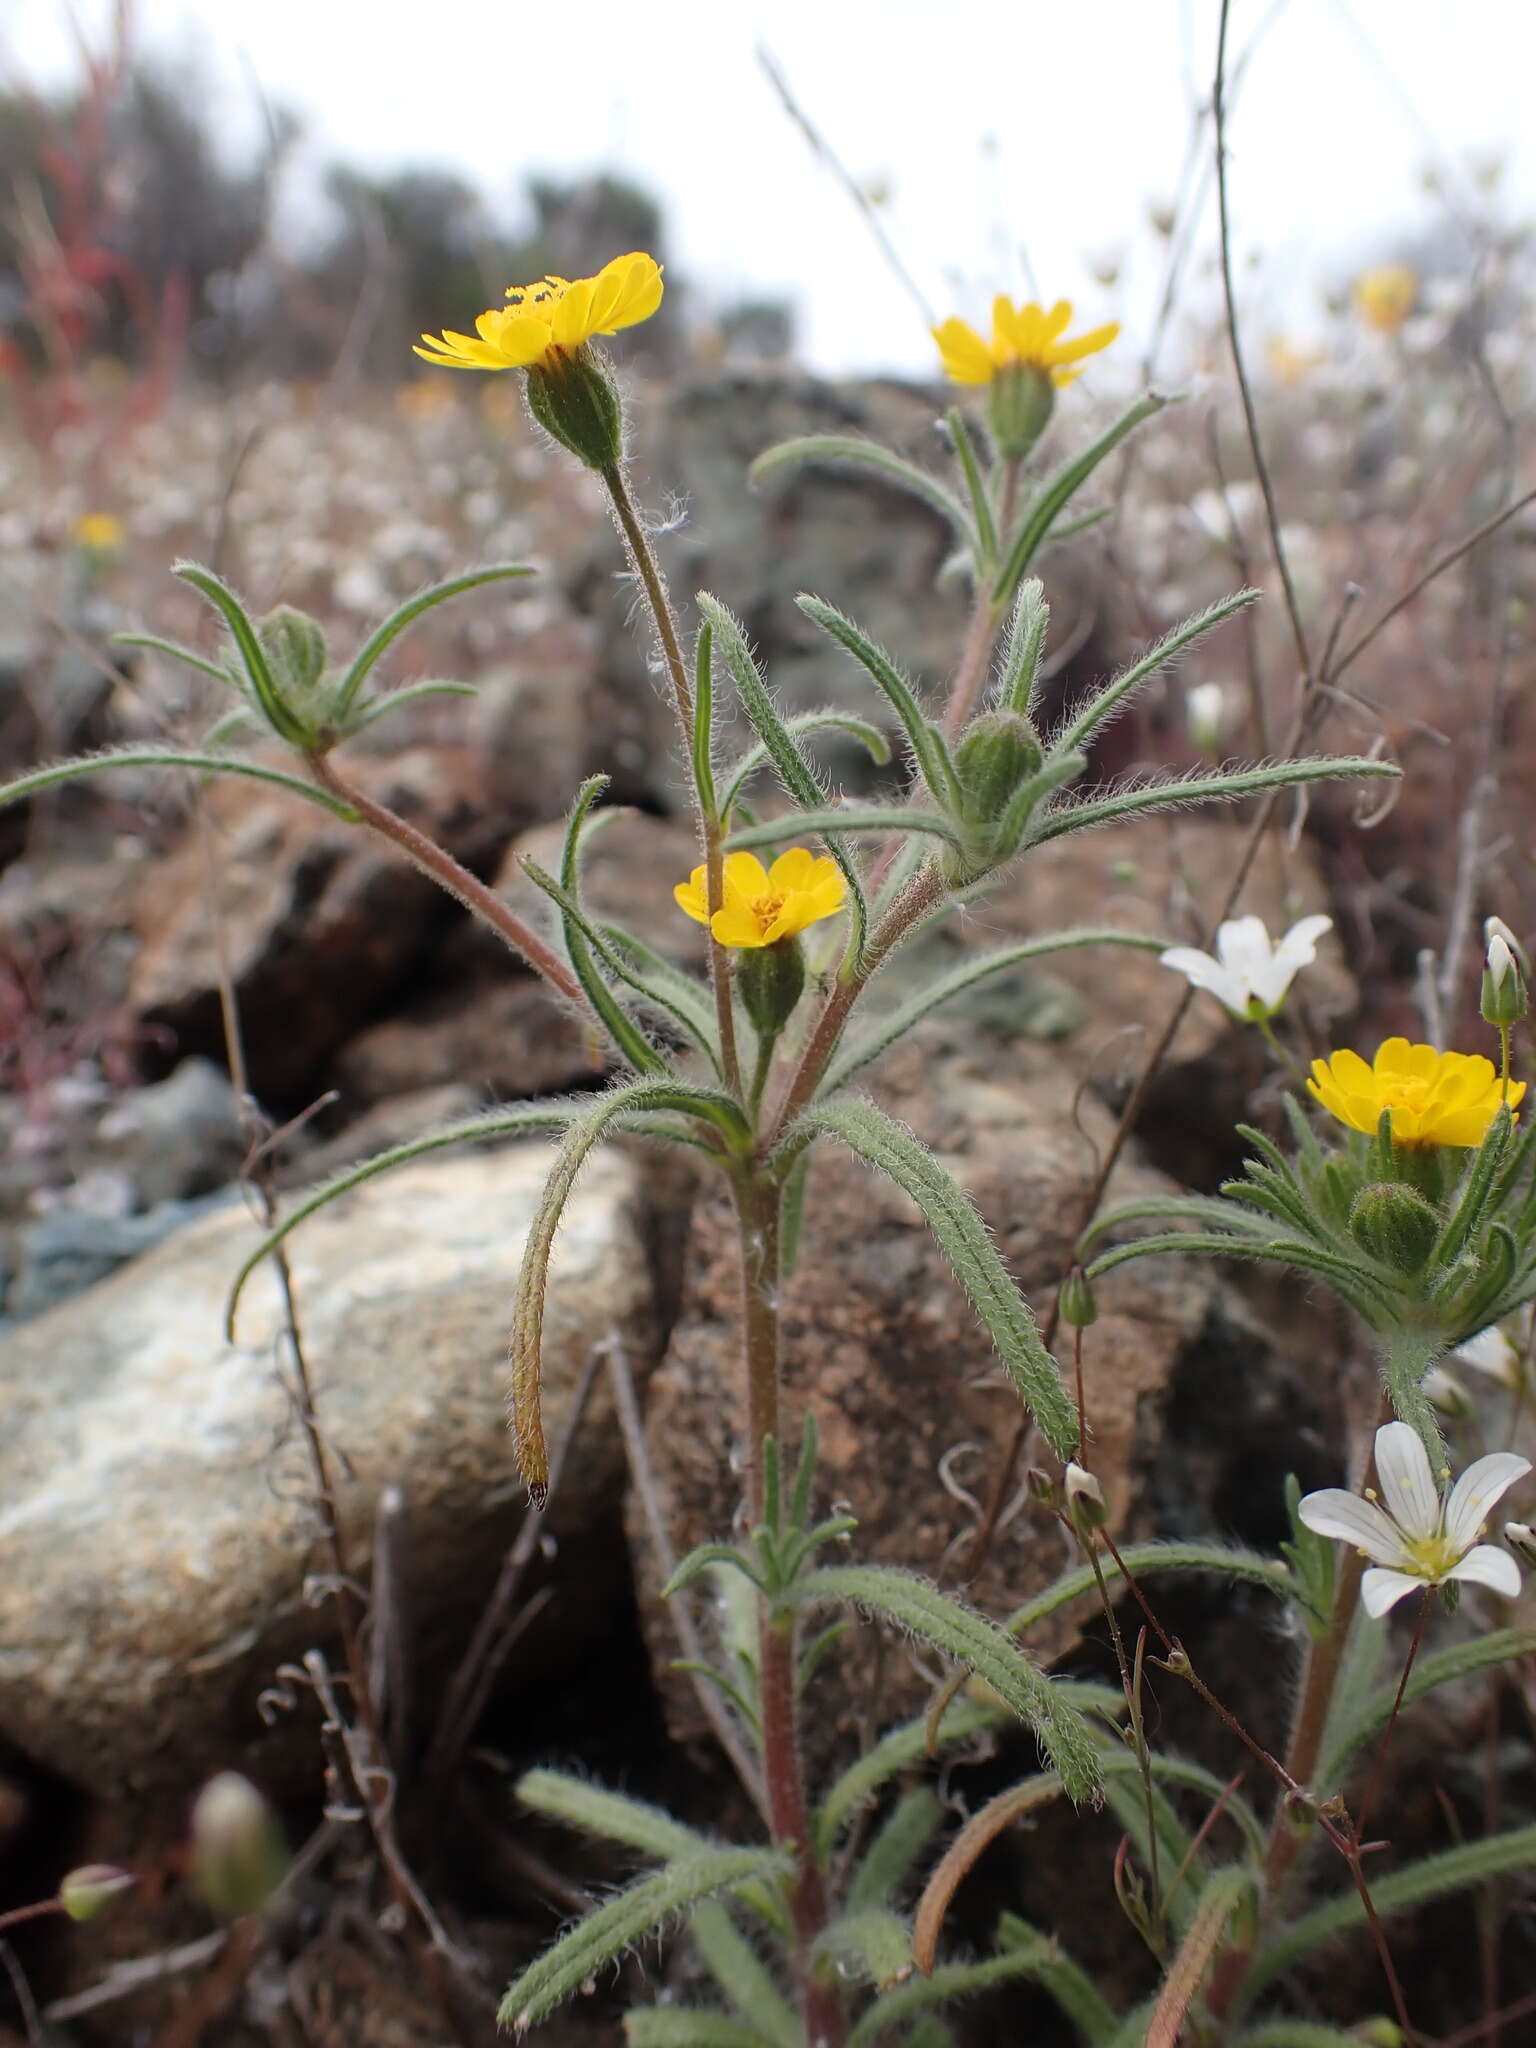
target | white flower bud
[
  {"x": 1205, "y": 711},
  {"x": 1085, "y": 1499},
  {"x": 1521, "y": 1538}
]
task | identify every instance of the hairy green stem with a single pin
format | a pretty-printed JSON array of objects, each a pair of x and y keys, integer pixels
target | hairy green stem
[{"x": 647, "y": 570}]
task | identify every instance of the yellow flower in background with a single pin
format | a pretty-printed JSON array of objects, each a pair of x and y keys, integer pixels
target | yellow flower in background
[
  {"x": 1436, "y": 1098},
  {"x": 1025, "y": 336},
  {"x": 761, "y": 905},
  {"x": 553, "y": 316},
  {"x": 1385, "y": 297},
  {"x": 99, "y": 533}
]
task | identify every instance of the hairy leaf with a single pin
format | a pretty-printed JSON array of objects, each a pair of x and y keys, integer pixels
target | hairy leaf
[
  {"x": 847, "y": 451},
  {"x": 742, "y": 1975},
  {"x": 613, "y": 1928},
  {"x": 1109, "y": 701},
  {"x": 900, "y": 1840},
  {"x": 927, "y": 743},
  {"x": 383, "y": 637},
  {"x": 1224, "y": 1892},
  {"x": 612, "y": 1815},
  {"x": 962, "y": 1237},
  {"x": 1197, "y": 789},
  {"x": 168, "y": 757},
  {"x": 1059, "y": 489},
  {"x": 968, "y": 1637}
]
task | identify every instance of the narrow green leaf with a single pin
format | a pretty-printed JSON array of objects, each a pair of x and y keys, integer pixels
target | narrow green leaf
[
  {"x": 234, "y": 724},
  {"x": 702, "y": 738},
  {"x": 520, "y": 1121},
  {"x": 901, "y": 1020},
  {"x": 742, "y": 1975},
  {"x": 702, "y": 1558},
  {"x": 383, "y": 637},
  {"x": 252, "y": 653},
  {"x": 794, "y": 771},
  {"x": 1442, "y": 1667},
  {"x": 1058, "y": 490},
  {"x": 1198, "y": 789},
  {"x": 847, "y": 451},
  {"x": 896, "y": 1751},
  {"x": 1453, "y": 1870},
  {"x": 620, "y": 1026},
  {"x": 652, "y": 976},
  {"x": 976, "y": 491},
  {"x": 168, "y": 757},
  {"x": 1147, "y": 1559},
  {"x": 684, "y": 2026},
  {"x": 409, "y": 693},
  {"x": 1027, "y": 629},
  {"x": 613, "y": 1816},
  {"x": 177, "y": 652},
  {"x": 949, "y": 1983},
  {"x": 962, "y": 1237},
  {"x": 898, "y": 1843},
  {"x": 832, "y": 819},
  {"x": 642, "y": 1909},
  {"x": 927, "y": 743},
  {"x": 1107, "y": 704},
  {"x": 980, "y": 1645},
  {"x": 873, "y": 1944},
  {"x": 802, "y": 725},
  {"x": 582, "y": 1133},
  {"x": 1071, "y": 1987},
  {"x": 1055, "y": 772}
]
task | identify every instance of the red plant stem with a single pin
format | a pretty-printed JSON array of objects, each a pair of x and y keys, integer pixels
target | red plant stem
[
  {"x": 757, "y": 1197},
  {"x": 423, "y": 852}
]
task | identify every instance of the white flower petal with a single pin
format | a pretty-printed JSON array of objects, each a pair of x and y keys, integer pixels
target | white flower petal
[
  {"x": 1489, "y": 1567},
  {"x": 1360, "y": 1523},
  {"x": 1242, "y": 946},
  {"x": 1491, "y": 1352},
  {"x": 1478, "y": 1492},
  {"x": 1201, "y": 971},
  {"x": 1407, "y": 1484},
  {"x": 1380, "y": 1590},
  {"x": 1300, "y": 942}
]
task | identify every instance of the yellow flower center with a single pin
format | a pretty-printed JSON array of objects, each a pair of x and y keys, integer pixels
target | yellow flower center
[{"x": 766, "y": 908}]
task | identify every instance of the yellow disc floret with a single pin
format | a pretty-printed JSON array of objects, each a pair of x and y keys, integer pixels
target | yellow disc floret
[
  {"x": 1027, "y": 336},
  {"x": 552, "y": 316},
  {"x": 759, "y": 905},
  {"x": 1436, "y": 1098}
]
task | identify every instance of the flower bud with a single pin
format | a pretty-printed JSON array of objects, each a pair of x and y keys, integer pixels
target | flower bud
[
  {"x": 1020, "y": 400},
  {"x": 572, "y": 396},
  {"x": 1503, "y": 996},
  {"x": 1521, "y": 1538},
  {"x": 294, "y": 645},
  {"x": 1085, "y": 1500},
  {"x": 771, "y": 980},
  {"x": 84, "y": 1892},
  {"x": 1496, "y": 928},
  {"x": 1075, "y": 1304},
  {"x": 1395, "y": 1224},
  {"x": 239, "y": 1856},
  {"x": 997, "y": 751}
]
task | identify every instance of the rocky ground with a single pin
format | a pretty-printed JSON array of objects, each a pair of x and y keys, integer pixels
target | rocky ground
[{"x": 164, "y": 1577}]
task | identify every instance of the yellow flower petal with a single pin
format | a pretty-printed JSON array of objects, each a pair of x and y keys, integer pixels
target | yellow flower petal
[
  {"x": 736, "y": 924},
  {"x": 692, "y": 896},
  {"x": 965, "y": 356},
  {"x": 1087, "y": 344},
  {"x": 1434, "y": 1097}
]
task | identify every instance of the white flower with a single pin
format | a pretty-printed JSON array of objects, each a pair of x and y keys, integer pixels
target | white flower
[
  {"x": 1250, "y": 974},
  {"x": 1491, "y": 1352},
  {"x": 1418, "y": 1539},
  {"x": 1500, "y": 959},
  {"x": 1205, "y": 712}
]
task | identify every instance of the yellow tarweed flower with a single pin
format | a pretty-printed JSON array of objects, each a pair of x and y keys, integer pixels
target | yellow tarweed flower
[
  {"x": 1385, "y": 297},
  {"x": 1436, "y": 1098},
  {"x": 552, "y": 316},
  {"x": 1025, "y": 336},
  {"x": 762, "y": 905},
  {"x": 97, "y": 532}
]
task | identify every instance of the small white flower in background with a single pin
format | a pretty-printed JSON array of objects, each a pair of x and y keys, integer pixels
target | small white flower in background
[
  {"x": 1417, "y": 1539},
  {"x": 1249, "y": 973},
  {"x": 1521, "y": 1537},
  {"x": 1205, "y": 712},
  {"x": 1491, "y": 1353}
]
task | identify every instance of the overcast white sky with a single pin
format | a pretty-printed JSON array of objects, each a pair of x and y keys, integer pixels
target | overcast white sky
[{"x": 999, "y": 126}]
